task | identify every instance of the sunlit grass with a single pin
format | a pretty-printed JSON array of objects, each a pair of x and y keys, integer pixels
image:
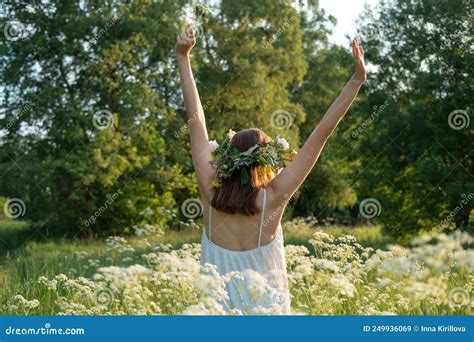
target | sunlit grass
[
  {"x": 21, "y": 269},
  {"x": 35, "y": 259},
  {"x": 13, "y": 234}
]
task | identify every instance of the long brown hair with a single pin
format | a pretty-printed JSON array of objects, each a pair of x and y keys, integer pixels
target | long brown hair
[{"x": 232, "y": 197}]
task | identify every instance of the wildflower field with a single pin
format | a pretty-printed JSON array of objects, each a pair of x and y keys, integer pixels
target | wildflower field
[{"x": 332, "y": 271}]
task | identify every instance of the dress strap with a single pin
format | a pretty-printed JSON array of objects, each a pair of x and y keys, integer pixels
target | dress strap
[
  {"x": 210, "y": 220},
  {"x": 262, "y": 216}
]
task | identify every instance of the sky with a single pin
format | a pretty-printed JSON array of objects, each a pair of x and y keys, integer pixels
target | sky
[{"x": 346, "y": 12}]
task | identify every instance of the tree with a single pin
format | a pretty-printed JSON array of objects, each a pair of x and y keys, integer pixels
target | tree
[
  {"x": 249, "y": 56},
  {"x": 329, "y": 189},
  {"x": 267, "y": 65},
  {"x": 85, "y": 103},
  {"x": 417, "y": 152},
  {"x": 94, "y": 130}
]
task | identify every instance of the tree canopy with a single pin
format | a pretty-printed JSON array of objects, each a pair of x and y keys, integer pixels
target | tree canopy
[{"x": 92, "y": 115}]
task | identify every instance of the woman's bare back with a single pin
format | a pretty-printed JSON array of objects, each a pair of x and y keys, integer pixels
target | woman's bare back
[{"x": 241, "y": 232}]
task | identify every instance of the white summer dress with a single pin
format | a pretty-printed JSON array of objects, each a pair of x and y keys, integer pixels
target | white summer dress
[{"x": 268, "y": 261}]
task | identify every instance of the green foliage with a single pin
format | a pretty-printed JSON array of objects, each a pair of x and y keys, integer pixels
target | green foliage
[
  {"x": 329, "y": 189},
  {"x": 76, "y": 60},
  {"x": 2, "y": 211},
  {"x": 416, "y": 154},
  {"x": 249, "y": 57},
  {"x": 13, "y": 235},
  {"x": 94, "y": 131}
]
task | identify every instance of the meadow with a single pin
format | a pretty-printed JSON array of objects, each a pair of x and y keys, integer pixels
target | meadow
[
  {"x": 332, "y": 271},
  {"x": 94, "y": 142}
]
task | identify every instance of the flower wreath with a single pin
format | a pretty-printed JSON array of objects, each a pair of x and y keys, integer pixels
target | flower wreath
[{"x": 228, "y": 160}]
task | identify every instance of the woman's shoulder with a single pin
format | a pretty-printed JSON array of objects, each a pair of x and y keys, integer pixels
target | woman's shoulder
[{"x": 274, "y": 200}]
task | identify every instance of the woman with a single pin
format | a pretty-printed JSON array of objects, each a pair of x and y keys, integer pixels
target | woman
[{"x": 245, "y": 184}]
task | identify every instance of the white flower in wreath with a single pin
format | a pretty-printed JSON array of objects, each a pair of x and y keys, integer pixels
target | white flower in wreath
[
  {"x": 213, "y": 145},
  {"x": 230, "y": 134},
  {"x": 283, "y": 143}
]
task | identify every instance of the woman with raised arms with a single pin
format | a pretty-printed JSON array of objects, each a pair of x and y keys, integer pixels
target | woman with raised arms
[{"x": 245, "y": 183}]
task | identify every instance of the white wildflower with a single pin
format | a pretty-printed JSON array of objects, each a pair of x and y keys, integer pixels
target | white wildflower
[
  {"x": 24, "y": 303},
  {"x": 50, "y": 284},
  {"x": 80, "y": 255},
  {"x": 213, "y": 145},
  {"x": 283, "y": 143},
  {"x": 230, "y": 134},
  {"x": 324, "y": 264},
  {"x": 344, "y": 286}
]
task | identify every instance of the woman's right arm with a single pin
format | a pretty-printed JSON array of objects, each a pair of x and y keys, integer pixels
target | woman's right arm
[
  {"x": 285, "y": 184},
  {"x": 201, "y": 152}
]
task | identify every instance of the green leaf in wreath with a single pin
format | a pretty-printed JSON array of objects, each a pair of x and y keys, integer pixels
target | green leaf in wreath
[
  {"x": 250, "y": 150},
  {"x": 244, "y": 176}
]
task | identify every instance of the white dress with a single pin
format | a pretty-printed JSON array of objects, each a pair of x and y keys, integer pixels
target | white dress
[{"x": 262, "y": 281}]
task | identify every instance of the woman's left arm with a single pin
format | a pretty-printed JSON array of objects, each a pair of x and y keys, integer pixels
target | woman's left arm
[
  {"x": 200, "y": 149},
  {"x": 291, "y": 177}
]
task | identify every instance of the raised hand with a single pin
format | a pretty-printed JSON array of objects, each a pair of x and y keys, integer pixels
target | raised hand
[
  {"x": 200, "y": 149},
  {"x": 290, "y": 178},
  {"x": 185, "y": 42},
  {"x": 358, "y": 53}
]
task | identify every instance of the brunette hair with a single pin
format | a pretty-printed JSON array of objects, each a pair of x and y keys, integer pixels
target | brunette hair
[{"x": 232, "y": 197}]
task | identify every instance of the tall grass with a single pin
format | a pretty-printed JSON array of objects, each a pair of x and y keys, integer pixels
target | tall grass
[
  {"x": 21, "y": 268},
  {"x": 13, "y": 234}
]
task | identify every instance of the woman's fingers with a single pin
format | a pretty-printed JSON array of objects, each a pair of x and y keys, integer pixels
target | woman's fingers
[
  {"x": 357, "y": 50},
  {"x": 189, "y": 31},
  {"x": 184, "y": 40},
  {"x": 188, "y": 36}
]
